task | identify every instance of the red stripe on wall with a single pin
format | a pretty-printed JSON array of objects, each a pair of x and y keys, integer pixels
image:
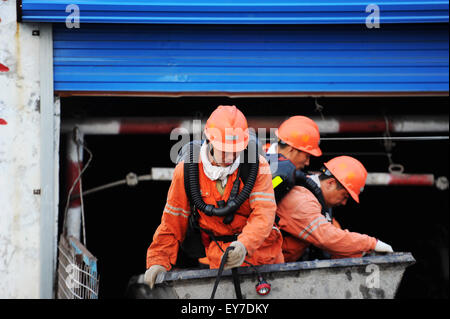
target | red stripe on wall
[
  {"x": 375, "y": 126},
  {"x": 147, "y": 128},
  {"x": 416, "y": 179},
  {"x": 72, "y": 174}
]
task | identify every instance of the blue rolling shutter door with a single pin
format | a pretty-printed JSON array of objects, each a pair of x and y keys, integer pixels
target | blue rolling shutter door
[
  {"x": 233, "y": 11},
  {"x": 396, "y": 58}
]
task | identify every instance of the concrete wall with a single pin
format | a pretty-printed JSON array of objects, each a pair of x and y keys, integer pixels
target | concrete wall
[{"x": 20, "y": 160}]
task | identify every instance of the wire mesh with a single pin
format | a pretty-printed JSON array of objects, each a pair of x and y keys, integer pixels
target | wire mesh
[{"x": 77, "y": 271}]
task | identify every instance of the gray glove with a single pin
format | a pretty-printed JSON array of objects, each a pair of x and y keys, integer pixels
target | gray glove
[
  {"x": 383, "y": 247},
  {"x": 236, "y": 256},
  {"x": 152, "y": 273}
]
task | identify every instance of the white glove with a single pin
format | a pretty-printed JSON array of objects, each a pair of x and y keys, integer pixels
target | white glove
[
  {"x": 383, "y": 247},
  {"x": 152, "y": 273},
  {"x": 236, "y": 256}
]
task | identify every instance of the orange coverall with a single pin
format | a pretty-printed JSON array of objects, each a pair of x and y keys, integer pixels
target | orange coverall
[
  {"x": 300, "y": 216},
  {"x": 253, "y": 221}
]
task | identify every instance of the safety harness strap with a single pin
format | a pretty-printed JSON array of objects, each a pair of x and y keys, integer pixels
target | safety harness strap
[
  {"x": 234, "y": 273},
  {"x": 226, "y": 238},
  {"x": 285, "y": 177},
  {"x": 236, "y": 282}
]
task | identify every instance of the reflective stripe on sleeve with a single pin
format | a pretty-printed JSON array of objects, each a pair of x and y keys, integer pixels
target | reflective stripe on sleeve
[
  {"x": 262, "y": 199},
  {"x": 271, "y": 199},
  {"x": 261, "y": 193},
  {"x": 314, "y": 228},
  {"x": 175, "y": 214},
  {"x": 310, "y": 225},
  {"x": 176, "y": 211}
]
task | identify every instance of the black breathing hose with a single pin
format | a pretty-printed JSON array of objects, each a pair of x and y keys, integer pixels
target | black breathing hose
[
  {"x": 233, "y": 204},
  {"x": 303, "y": 180}
]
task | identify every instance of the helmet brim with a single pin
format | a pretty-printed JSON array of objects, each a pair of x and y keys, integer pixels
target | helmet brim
[
  {"x": 351, "y": 192},
  {"x": 314, "y": 152},
  {"x": 353, "y": 195}
]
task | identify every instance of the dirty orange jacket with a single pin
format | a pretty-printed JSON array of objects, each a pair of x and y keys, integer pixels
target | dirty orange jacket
[
  {"x": 300, "y": 216},
  {"x": 253, "y": 221}
]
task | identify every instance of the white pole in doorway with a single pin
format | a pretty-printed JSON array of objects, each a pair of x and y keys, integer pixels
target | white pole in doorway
[{"x": 74, "y": 166}]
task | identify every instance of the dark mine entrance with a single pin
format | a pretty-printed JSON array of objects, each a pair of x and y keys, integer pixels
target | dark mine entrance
[{"x": 120, "y": 221}]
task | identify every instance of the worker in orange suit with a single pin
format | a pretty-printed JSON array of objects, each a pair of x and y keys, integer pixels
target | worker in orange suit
[
  {"x": 302, "y": 222},
  {"x": 298, "y": 140},
  {"x": 251, "y": 229},
  {"x": 300, "y": 214}
]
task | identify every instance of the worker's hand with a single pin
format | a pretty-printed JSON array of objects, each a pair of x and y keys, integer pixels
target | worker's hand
[
  {"x": 236, "y": 256},
  {"x": 383, "y": 247},
  {"x": 152, "y": 273}
]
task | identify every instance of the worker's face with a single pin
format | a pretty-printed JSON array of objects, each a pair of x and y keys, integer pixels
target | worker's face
[
  {"x": 334, "y": 195},
  {"x": 300, "y": 159},
  {"x": 223, "y": 158}
]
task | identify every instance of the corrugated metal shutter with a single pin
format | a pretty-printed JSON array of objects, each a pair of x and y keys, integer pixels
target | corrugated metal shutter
[
  {"x": 254, "y": 59},
  {"x": 233, "y": 11}
]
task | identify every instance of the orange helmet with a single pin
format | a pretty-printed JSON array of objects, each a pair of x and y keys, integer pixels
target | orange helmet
[
  {"x": 301, "y": 133},
  {"x": 227, "y": 129},
  {"x": 350, "y": 173}
]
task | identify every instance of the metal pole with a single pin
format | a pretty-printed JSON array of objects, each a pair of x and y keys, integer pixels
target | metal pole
[
  {"x": 331, "y": 125},
  {"x": 373, "y": 179},
  {"x": 48, "y": 139},
  {"x": 74, "y": 165}
]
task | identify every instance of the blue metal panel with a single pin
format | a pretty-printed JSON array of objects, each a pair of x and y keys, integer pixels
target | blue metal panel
[
  {"x": 255, "y": 59},
  {"x": 234, "y": 11}
]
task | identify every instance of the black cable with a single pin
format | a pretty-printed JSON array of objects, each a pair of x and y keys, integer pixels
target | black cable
[
  {"x": 219, "y": 273},
  {"x": 223, "y": 261}
]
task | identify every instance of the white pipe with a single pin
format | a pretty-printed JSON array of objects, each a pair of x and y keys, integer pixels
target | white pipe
[
  {"x": 74, "y": 164},
  {"x": 330, "y": 125},
  {"x": 373, "y": 179}
]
